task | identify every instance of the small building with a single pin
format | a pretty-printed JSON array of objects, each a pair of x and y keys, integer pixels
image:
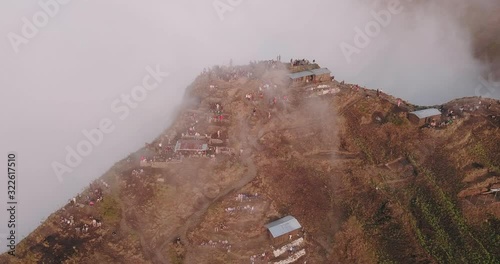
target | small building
[
  {"x": 300, "y": 77},
  {"x": 191, "y": 146},
  {"x": 224, "y": 150},
  {"x": 321, "y": 75},
  {"x": 283, "y": 229},
  {"x": 425, "y": 116},
  {"x": 314, "y": 75}
]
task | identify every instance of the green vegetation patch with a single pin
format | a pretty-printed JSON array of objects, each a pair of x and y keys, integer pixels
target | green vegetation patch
[
  {"x": 441, "y": 228},
  {"x": 487, "y": 154},
  {"x": 365, "y": 149},
  {"x": 110, "y": 210},
  {"x": 395, "y": 119}
]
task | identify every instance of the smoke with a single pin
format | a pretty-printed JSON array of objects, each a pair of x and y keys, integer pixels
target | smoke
[{"x": 65, "y": 78}]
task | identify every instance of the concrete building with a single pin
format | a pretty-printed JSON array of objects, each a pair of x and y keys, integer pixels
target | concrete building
[
  {"x": 283, "y": 229},
  {"x": 425, "y": 116}
]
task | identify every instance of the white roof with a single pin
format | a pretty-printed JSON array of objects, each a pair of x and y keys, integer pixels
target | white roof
[
  {"x": 309, "y": 73},
  {"x": 321, "y": 71},
  {"x": 426, "y": 113},
  {"x": 282, "y": 226}
]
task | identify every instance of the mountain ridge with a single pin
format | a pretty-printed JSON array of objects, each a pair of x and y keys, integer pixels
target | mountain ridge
[{"x": 366, "y": 183}]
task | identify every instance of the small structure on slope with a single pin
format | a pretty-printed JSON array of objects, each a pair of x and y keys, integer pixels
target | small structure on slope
[
  {"x": 321, "y": 75},
  {"x": 284, "y": 229},
  {"x": 315, "y": 75},
  {"x": 425, "y": 116},
  {"x": 191, "y": 146}
]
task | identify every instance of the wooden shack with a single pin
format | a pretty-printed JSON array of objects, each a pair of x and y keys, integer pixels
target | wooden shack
[
  {"x": 282, "y": 230},
  {"x": 425, "y": 116}
]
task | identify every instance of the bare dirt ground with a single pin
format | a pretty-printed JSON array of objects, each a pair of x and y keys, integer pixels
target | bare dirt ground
[{"x": 366, "y": 185}]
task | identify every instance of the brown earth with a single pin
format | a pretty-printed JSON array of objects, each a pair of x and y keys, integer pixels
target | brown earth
[{"x": 367, "y": 185}]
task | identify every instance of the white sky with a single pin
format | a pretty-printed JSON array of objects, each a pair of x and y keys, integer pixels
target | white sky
[{"x": 65, "y": 79}]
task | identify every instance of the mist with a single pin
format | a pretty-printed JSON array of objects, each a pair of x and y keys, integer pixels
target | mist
[{"x": 65, "y": 79}]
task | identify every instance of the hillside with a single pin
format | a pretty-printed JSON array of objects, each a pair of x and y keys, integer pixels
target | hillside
[{"x": 367, "y": 184}]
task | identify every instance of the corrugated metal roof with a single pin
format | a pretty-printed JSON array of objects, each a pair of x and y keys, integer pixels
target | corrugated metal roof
[
  {"x": 282, "y": 226},
  {"x": 309, "y": 73},
  {"x": 321, "y": 71},
  {"x": 189, "y": 144},
  {"x": 426, "y": 113},
  {"x": 300, "y": 74}
]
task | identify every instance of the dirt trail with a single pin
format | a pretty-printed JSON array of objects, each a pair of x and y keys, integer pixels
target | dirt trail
[
  {"x": 196, "y": 218},
  {"x": 124, "y": 228},
  {"x": 193, "y": 220},
  {"x": 350, "y": 102}
]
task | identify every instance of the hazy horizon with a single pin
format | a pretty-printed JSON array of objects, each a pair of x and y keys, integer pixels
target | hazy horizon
[{"x": 66, "y": 78}]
